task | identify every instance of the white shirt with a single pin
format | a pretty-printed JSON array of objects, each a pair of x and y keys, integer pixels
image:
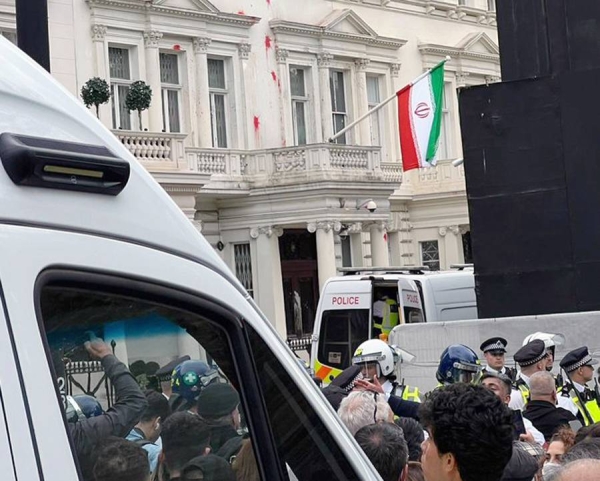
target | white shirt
[
  {"x": 496, "y": 371},
  {"x": 537, "y": 435},
  {"x": 566, "y": 401},
  {"x": 378, "y": 307}
]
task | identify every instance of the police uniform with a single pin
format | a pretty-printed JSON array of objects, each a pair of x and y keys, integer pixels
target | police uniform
[
  {"x": 586, "y": 400},
  {"x": 164, "y": 373},
  {"x": 528, "y": 355},
  {"x": 497, "y": 344}
]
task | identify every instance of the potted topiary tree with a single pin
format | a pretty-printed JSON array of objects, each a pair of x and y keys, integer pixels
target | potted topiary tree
[
  {"x": 138, "y": 98},
  {"x": 95, "y": 92}
]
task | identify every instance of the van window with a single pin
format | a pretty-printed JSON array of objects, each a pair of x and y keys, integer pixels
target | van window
[
  {"x": 303, "y": 442},
  {"x": 461, "y": 313},
  {"x": 342, "y": 331},
  {"x": 145, "y": 336}
]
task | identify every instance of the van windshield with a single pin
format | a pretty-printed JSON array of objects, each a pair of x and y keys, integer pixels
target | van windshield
[{"x": 342, "y": 331}]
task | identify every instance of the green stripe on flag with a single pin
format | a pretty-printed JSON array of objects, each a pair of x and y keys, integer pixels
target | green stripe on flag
[{"x": 436, "y": 83}]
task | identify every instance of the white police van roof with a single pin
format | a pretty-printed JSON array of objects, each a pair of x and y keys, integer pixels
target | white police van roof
[{"x": 33, "y": 104}]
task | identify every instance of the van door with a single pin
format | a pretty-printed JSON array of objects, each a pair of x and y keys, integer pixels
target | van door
[
  {"x": 343, "y": 323},
  {"x": 152, "y": 307},
  {"x": 411, "y": 306}
]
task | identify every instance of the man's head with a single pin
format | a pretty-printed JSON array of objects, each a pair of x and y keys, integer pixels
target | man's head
[
  {"x": 550, "y": 341},
  {"x": 458, "y": 363},
  {"x": 586, "y": 449},
  {"x": 184, "y": 436},
  {"x": 219, "y": 404},
  {"x": 579, "y": 365},
  {"x": 163, "y": 374},
  {"x": 542, "y": 387},
  {"x": 361, "y": 408},
  {"x": 153, "y": 416},
  {"x": 494, "y": 350},
  {"x": 470, "y": 434},
  {"x": 384, "y": 445},
  {"x": 532, "y": 357},
  {"x": 375, "y": 358},
  {"x": 413, "y": 435},
  {"x": 582, "y": 470},
  {"x": 499, "y": 384},
  {"x": 121, "y": 460}
]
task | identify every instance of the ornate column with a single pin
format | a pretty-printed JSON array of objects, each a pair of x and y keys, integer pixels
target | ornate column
[
  {"x": 285, "y": 105},
  {"x": 247, "y": 132},
  {"x": 202, "y": 94},
  {"x": 325, "y": 248},
  {"x": 155, "y": 116},
  {"x": 324, "y": 61},
  {"x": 364, "y": 128},
  {"x": 452, "y": 246},
  {"x": 269, "y": 288},
  {"x": 100, "y": 70},
  {"x": 395, "y": 79},
  {"x": 379, "y": 248},
  {"x": 356, "y": 244}
]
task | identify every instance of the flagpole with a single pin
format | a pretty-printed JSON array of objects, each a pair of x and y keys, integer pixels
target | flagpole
[{"x": 385, "y": 102}]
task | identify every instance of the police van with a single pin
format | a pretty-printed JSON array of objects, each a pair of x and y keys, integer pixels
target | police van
[
  {"x": 366, "y": 302},
  {"x": 90, "y": 243}
]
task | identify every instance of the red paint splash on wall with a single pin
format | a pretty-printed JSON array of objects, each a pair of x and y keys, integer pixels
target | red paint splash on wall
[
  {"x": 256, "y": 123},
  {"x": 273, "y": 75},
  {"x": 177, "y": 47},
  {"x": 269, "y": 2},
  {"x": 268, "y": 42},
  {"x": 241, "y": 12}
]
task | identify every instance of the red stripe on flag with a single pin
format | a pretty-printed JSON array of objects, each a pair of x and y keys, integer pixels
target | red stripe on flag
[{"x": 410, "y": 160}]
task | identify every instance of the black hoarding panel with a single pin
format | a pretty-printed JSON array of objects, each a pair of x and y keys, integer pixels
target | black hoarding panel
[{"x": 582, "y": 18}]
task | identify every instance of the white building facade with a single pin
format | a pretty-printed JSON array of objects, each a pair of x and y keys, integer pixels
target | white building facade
[{"x": 246, "y": 95}]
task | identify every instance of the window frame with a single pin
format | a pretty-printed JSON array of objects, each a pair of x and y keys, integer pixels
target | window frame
[
  {"x": 427, "y": 263},
  {"x": 211, "y": 310},
  {"x": 300, "y": 99},
  {"x": 377, "y": 115},
  {"x": 114, "y": 84},
  {"x": 165, "y": 87},
  {"x": 343, "y": 139},
  {"x": 225, "y": 93}
]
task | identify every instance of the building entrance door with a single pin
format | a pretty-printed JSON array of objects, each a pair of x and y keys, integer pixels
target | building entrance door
[{"x": 298, "y": 250}]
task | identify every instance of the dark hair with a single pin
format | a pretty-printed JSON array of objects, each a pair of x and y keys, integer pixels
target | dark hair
[
  {"x": 474, "y": 425},
  {"x": 121, "y": 460},
  {"x": 415, "y": 472},
  {"x": 586, "y": 432},
  {"x": 565, "y": 435},
  {"x": 158, "y": 406},
  {"x": 506, "y": 383},
  {"x": 586, "y": 449},
  {"x": 184, "y": 436},
  {"x": 384, "y": 445},
  {"x": 414, "y": 436}
]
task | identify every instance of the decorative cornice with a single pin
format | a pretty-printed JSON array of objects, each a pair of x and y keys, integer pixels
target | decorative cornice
[
  {"x": 281, "y": 54},
  {"x": 269, "y": 231},
  {"x": 454, "y": 229},
  {"x": 461, "y": 78},
  {"x": 244, "y": 50},
  {"x": 326, "y": 225},
  {"x": 151, "y": 38},
  {"x": 361, "y": 64},
  {"x": 99, "y": 32},
  {"x": 381, "y": 226},
  {"x": 394, "y": 69},
  {"x": 324, "y": 59},
  {"x": 355, "y": 228},
  {"x": 463, "y": 229},
  {"x": 200, "y": 44},
  {"x": 455, "y": 52},
  {"x": 492, "y": 79},
  {"x": 246, "y": 21}
]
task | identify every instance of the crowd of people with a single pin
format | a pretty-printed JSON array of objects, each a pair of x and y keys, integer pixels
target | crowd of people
[{"x": 482, "y": 423}]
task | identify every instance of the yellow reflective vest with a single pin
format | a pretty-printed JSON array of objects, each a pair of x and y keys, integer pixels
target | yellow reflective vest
[
  {"x": 390, "y": 317},
  {"x": 590, "y": 403}
]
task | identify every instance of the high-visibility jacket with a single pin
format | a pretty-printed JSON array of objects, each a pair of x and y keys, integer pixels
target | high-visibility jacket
[
  {"x": 408, "y": 393},
  {"x": 390, "y": 317},
  {"x": 523, "y": 388},
  {"x": 590, "y": 403}
]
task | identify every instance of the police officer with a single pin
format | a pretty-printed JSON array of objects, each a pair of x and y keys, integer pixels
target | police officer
[
  {"x": 494, "y": 350},
  {"x": 578, "y": 366},
  {"x": 458, "y": 363},
  {"x": 164, "y": 375},
  {"x": 385, "y": 314},
  {"x": 187, "y": 381},
  {"x": 550, "y": 342},
  {"x": 377, "y": 358}
]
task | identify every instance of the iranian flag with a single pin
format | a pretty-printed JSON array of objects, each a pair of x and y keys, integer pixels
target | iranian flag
[{"x": 420, "y": 115}]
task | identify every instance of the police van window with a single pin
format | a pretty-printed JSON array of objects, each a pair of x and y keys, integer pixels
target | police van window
[
  {"x": 303, "y": 442},
  {"x": 342, "y": 331},
  {"x": 129, "y": 372}
]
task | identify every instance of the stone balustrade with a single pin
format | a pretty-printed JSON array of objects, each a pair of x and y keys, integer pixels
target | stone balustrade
[
  {"x": 441, "y": 178},
  {"x": 158, "y": 149},
  {"x": 392, "y": 171}
]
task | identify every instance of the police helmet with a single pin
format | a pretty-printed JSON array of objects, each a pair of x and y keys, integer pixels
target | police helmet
[
  {"x": 458, "y": 363},
  {"x": 550, "y": 340},
  {"x": 81, "y": 407},
  {"x": 190, "y": 377},
  {"x": 377, "y": 351}
]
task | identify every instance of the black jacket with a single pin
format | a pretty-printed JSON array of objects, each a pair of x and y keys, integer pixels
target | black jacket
[
  {"x": 404, "y": 409},
  {"x": 116, "y": 421},
  {"x": 546, "y": 417},
  {"x": 522, "y": 466}
]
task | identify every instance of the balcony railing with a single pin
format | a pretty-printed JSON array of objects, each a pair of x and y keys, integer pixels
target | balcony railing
[{"x": 160, "y": 150}]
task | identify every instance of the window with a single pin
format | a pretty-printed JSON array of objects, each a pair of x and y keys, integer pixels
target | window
[
  {"x": 467, "y": 251},
  {"x": 445, "y": 141},
  {"x": 299, "y": 104},
  {"x": 374, "y": 99},
  {"x": 120, "y": 79},
  {"x": 217, "y": 84},
  {"x": 243, "y": 266},
  {"x": 338, "y": 103},
  {"x": 346, "y": 251},
  {"x": 170, "y": 91},
  {"x": 342, "y": 331},
  {"x": 430, "y": 254}
]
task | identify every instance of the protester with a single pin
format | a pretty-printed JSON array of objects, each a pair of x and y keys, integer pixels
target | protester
[
  {"x": 362, "y": 408},
  {"x": 413, "y": 435},
  {"x": 470, "y": 434},
  {"x": 415, "y": 472},
  {"x": 384, "y": 445},
  {"x": 586, "y": 449},
  {"x": 121, "y": 460},
  {"x": 541, "y": 409},
  {"x": 244, "y": 465},
  {"x": 560, "y": 443},
  {"x": 581, "y": 470},
  {"x": 586, "y": 432}
]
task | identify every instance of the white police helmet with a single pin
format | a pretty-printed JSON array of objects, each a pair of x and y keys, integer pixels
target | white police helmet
[
  {"x": 550, "y": 340},
  {"x": 377, "y": 351}
]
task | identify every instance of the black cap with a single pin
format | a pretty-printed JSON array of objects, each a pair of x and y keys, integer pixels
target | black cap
[
  {"x": 494, "y": 344},
  {"x": 211, "y": 466},
  {"x": 347, "y": 378},
  {"x": 164, "y": 373},
  {"x": 577, "y": 358},
  {"x": 531, "y": 353},
  {"x": 217, "y": 400}
]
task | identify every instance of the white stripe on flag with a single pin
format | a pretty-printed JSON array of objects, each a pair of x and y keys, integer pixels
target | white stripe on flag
[{"x": 422, "y": 112}]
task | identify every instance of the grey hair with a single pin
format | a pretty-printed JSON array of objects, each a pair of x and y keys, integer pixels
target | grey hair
[
  {"x": 359, "y": 409},
  {"x": 577, "y": 470},
  {"x": 542, "y": 384}
]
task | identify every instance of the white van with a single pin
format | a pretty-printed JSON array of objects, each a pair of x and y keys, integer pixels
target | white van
[
  {"x": 90, "y": 242},
  {"x": 345, "y": 315}
]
